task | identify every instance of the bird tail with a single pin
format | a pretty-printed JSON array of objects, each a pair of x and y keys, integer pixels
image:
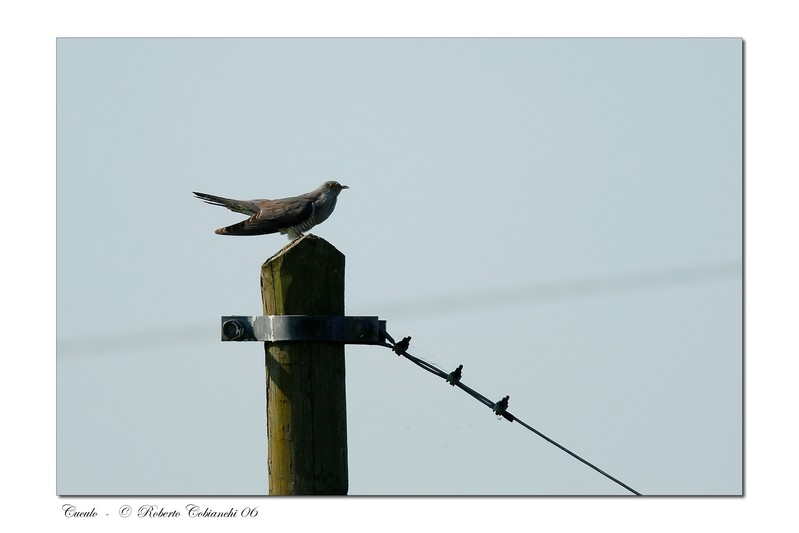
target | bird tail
[{"x": 238, "y": 206}]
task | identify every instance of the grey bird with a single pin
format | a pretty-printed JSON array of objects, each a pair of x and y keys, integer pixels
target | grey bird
[{"x": 290, "y": 216}]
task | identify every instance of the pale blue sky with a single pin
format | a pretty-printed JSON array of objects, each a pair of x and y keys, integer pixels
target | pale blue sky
[{"x": 595, "y": 184}]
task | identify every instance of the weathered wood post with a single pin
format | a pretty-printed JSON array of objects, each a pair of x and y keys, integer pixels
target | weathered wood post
[{"x": 305, "y": 391}]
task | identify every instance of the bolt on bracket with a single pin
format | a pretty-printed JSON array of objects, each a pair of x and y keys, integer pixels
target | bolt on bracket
[{"x": 304, "y": 328}]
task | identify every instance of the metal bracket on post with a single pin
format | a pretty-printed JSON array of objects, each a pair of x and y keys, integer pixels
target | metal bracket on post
[{"x": 305, "y": 328}]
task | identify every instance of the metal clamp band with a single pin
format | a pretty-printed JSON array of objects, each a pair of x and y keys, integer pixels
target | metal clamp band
[{"x": 304, "y": 328}]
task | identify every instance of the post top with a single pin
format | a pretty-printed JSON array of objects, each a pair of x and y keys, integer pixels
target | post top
[{"x": 307, "y": 243}]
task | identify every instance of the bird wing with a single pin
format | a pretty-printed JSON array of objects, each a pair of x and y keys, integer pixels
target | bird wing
[
  {"x": 273, "y": 216},
  {"x": 245, "y": 207}
]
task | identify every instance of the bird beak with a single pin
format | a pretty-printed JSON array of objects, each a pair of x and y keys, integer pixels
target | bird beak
[{"x": 344, "y": 187}]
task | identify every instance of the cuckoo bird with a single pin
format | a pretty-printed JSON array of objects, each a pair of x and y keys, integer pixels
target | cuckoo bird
[{"x": 290, "y": 216}]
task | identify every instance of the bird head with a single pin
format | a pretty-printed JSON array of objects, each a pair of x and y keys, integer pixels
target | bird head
[{"x": 335, "y": 186}]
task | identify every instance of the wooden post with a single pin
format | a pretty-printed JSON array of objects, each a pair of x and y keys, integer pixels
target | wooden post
[{"x": 305, "y": 396}]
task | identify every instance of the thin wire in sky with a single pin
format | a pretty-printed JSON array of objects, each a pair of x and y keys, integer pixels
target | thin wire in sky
[{"x": 437, "y": 305}]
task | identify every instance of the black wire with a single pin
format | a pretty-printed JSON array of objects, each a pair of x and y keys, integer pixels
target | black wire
[
  {"x": 479, "y": 397},
  {"x": 576, "y": 456},
  {"x": 420, "y": 362},
  {"x": 482, "y": 399}
]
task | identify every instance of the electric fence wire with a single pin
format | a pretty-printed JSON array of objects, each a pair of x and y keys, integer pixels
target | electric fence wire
[{"x": 500, "y": 407}]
